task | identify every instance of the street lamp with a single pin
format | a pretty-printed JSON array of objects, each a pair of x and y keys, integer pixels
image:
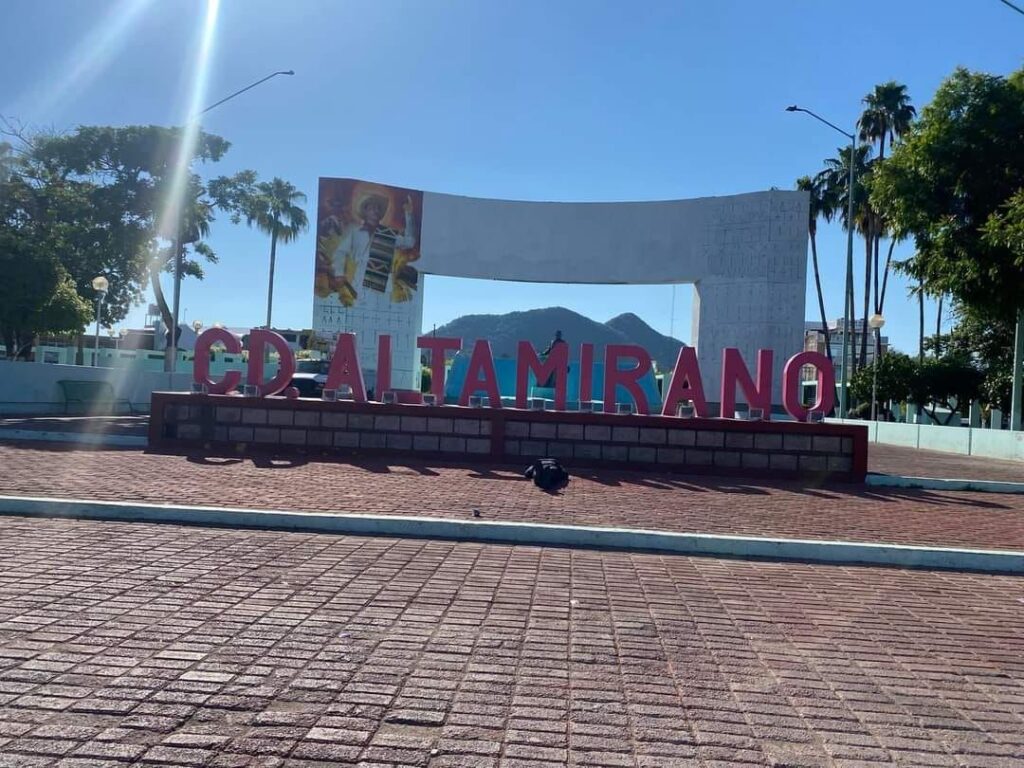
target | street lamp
[
  {"x": 173, "y": 346},
  {"x": 848, "y": 299},
  {"x": 100, "y": 284},
  {"x": 876, "y": 322}
]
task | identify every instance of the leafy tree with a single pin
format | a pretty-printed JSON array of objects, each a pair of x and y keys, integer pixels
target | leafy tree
[
  {"x": 954, "y": 184},
  {"x": 129, "y": 173},
  {"x": 37, "y": 295},
  {"x": 822, "y": 205},
  {"x": 989, "y": 343},
  {"x": 896, "y": 377},
  {"x": 273, "y": 207},
  {"x": 952, "y": 381}
]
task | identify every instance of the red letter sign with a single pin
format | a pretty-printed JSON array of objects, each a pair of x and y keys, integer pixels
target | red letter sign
[
  {"x": 383, "y": 365},
  {"x": 201, "y": 364},
  {"x": 258, "y": 340},
  {"x": 345, "y": 368},
  {"x": 438, "y": 346},
  {"x": 586, "y": 372},
  {"x": 734, "y": 371},
  {"x": 826, "y": 399},
  {"x": 557, "y": 366},
  {"x": 686, "y": 384},
  {"x": 629, "y": 379},
  {"x": 480, "y": 375}
]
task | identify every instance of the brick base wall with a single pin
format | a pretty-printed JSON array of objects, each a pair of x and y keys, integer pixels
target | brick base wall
[{"x": 705, "y": 446}]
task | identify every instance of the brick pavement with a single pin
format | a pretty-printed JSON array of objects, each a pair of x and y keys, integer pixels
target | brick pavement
[
  {"x": 170, "y": 645},
  {"x": 673, "y": 503},
  {"x": 896, "y": 460}
]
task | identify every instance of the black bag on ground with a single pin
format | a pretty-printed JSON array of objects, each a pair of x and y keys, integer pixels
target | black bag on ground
[{"x": 547, "y": 474}]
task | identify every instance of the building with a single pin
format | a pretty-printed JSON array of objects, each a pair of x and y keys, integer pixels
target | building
[{"x": 814, "y": 341}]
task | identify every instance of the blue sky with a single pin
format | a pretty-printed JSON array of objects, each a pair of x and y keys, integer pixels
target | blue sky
[{"x": 534, "y": 100}]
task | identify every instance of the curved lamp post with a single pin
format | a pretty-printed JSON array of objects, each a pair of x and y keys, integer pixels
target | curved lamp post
[
  {"x": 848, "y": 299},
  {"x": 100, "y": 284},
  {"x": 173, "y": 347},
  {"x": 876, "y": 322}
]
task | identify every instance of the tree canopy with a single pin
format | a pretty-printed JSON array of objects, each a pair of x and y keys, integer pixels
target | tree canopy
[{"x": 955, "y": 184}]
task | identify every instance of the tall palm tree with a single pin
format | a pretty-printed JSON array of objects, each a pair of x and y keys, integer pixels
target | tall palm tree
[
  {"x": 274, "y": 208},
  {"x": 821, "y": 206},
  {"x": 887, "y": 115},
  {"x": 835, "y": 179}
]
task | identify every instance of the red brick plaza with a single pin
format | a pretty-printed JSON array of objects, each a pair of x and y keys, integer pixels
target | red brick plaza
[{"x": 177, "y": 645}]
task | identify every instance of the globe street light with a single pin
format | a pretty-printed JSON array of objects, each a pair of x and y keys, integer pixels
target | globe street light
[
  {"x": 100, "y": 284},
  {"x": 173, "y": 345},
  {"x": 876, "y": 322},
  {"x": 848, "y": 299}
]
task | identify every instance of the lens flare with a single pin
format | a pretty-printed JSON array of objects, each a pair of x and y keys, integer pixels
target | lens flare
[{"x": 84, "y": 64}]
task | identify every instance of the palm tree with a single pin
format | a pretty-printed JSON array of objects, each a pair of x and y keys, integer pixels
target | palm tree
[
  {"x": 187, "y": 241},
  {"x": 821, "y": 206},
  {"x": 887, "y": 114},
  {"x": 273, "y": 207},
  {"x": 835, "y": 180}
]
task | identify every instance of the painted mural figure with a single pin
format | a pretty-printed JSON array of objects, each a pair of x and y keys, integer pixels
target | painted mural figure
[{"x": 365, "y": 259}]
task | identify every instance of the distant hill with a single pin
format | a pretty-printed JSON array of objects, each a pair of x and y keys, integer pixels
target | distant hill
[{"x": 538, "y": 326}]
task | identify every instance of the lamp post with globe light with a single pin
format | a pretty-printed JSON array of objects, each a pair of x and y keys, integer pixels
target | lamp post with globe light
[
  {"x": 100, "y": 284},
  {"x": 876, "y": 322}
]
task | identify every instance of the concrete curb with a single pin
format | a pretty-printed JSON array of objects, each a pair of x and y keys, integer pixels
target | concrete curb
[
  {"x": 81, "y": 438},
  {"x": 943, "y": 484},
  {"x": 836, "y": 552}
]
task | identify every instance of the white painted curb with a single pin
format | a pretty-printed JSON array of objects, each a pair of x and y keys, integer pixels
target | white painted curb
[
  {"x": 81, "y": 438},
  {"x": 943, "y": 484},
  {"x": 860, "y": 553}
]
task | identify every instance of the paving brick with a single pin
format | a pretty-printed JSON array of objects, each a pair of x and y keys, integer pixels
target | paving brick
[
  {"x": 373, "y": 440},
  {"x": 739, "y": 440},
  {"x": 643, "y": 454},
  {"x": 426, "y": 442},
  {"x": 334, "y": 420},
  {"x": 240, "y": 434},
  {"x": 281, "y": 417},
  {"x": 307, "y": 419},
  {"x": 453, "y": 444},
  {"x": 671, "y": 455},
  {"x": 346, "y": 439},
  {"x": 398, "y": 442},
  {"x": 266, "y": 435},
  {"x": 254, "y": 416},
  {"x": 682, "y": 437},
  {"x": 652, "y": 435},
  {"x": 782, "y": 461},
  {"x": 319, "y": 437},
  {"x": 437, "y": 424},
  {"x": 768, "y": 442},
  {"x": 386, "y": 423},
  {"x": 360, "y": 421},
  {"x": 797, "y": 442},
  {"x": 570, "y": 431},
  {"x": 414, "y": 423},
  {"x": 543, "y": 430},
  {"x": 293, "y": 436},
  {"x": 467, "y": 426},
  {"x": 228, "y": 414}
]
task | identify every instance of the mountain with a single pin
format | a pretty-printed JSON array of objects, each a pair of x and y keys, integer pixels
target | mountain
[{"x": 538, "y": 326}]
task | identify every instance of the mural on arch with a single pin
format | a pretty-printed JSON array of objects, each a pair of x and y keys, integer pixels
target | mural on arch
[{"x": 366, "y": 281}]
